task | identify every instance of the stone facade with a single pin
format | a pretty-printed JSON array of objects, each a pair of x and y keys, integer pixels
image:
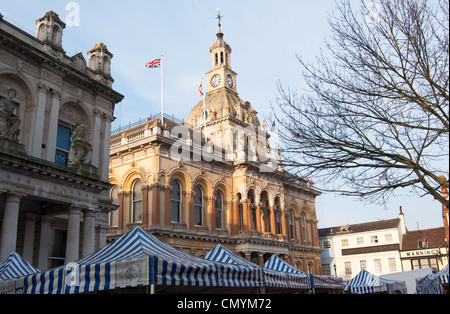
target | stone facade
[
  {"x": 55, "y": 122},
  {"x": 201, "y": 182}
]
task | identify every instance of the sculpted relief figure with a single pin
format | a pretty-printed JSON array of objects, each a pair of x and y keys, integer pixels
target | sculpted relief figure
[
  {"x": 80, "y": 150},
  {"x": 9, "y": 121}
]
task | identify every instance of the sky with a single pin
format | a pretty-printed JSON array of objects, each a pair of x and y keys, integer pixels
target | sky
[{"x": 266, "y": 38}]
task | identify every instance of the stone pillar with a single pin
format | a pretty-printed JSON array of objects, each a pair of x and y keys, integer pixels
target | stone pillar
[
  {"x": 52, "y": 128},
  {"x": 258, "y": 218},
  {"x": 260, "y": 259},
  {"x": 156, "y": 209},
  {"x": 210, "y": 213},
  {"x": 73, "y": 235},
  {"x": 284, "y": 228},
  {"x": 10, "y": 221},
  {"x": 95, "y": 155},
  {"x": 145, "y": 205},
  {"x": 102, "y": 236},
  {"x": 28, "y": 241},
  {"x": 105, "y": 147},
  {"x": 245, "y": 216},
  {"x": 37, "y": 134},
  {"x": 272, "y": 220},
  {"x": 120, "y": 209},
  {"x": 44, "y": 243},
  {"x": 88, "y": 232},
  {"x": 189, "y": 195}
]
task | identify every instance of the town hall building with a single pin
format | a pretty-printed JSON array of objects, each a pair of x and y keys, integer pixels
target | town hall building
[{"x": 214, "y": 178}]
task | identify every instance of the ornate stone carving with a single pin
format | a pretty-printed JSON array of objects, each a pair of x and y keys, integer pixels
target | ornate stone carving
[
  {"x": 9, "y": 121},
  {"x": 80, "y": 150}
]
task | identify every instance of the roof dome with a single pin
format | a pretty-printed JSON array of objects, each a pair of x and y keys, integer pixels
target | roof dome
[{"x": 220, "y": 104}]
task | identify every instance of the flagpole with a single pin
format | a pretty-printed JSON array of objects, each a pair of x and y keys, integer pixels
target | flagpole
[
  {"x": 204, "y": 110},
  {"x": 162, "y": 94}
]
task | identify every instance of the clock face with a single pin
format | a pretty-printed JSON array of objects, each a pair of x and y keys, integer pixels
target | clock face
[
  {"x": 230, "y": 81},
  {"x": 215, "y": 80}
]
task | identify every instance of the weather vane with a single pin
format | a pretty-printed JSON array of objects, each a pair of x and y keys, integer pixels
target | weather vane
[{"x": 219, "y": 17}]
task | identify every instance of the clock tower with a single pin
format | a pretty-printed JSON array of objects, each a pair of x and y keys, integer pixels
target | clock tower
[
  {"x": 221, "y": 106},
  {"x": 221, "y": 75}
]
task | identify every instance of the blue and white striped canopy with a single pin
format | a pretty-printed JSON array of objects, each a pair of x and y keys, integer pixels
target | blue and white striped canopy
[
  {"x": 432, "y": 283},
  {"x": 254, "y": 278},
  {"x": 365, "y": 282},
  {"x": 294, "y": 274},
  {"x": 316, "y": 281},
  {"x": 135, "y": 259},
  {"x": 268, "y": 277},
  {"x": 15, "y": 266}
]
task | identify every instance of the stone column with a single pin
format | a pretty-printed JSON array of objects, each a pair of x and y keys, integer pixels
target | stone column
[
  {"x": 156, "y": 208},
  {"x": 102, "y": 236},
  {"x": 44, "y": 243},
  {"x": 144, "y": 219},
  {"x": 88, "y": 232},
  {"x": 234, "y": 218},
  {"x": 272, "y": 219},
  {"x": 210, "y": 215},
  {"x": 10, "y": 222},
  {"x": 120, "y": 209},
  {"x": 37, "y": 133},
  {"x": 260, "y": 259},
  {"x": 73, "y": 235},
  {"x": 28, "y": 241},
  {"x": 245, "y": 215},
  {"x": 189, "y": 196},
  {"x": 95, "y": 155},
  {"x": 52, "y": 128}
]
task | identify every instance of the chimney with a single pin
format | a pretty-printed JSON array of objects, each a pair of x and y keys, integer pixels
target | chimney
[{"x": 401, "y": 216}]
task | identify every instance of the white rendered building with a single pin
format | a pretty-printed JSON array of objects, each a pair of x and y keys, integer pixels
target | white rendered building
[{"x": 373, "y": 246}]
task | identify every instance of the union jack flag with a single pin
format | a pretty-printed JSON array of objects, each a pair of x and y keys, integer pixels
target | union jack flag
[
  {"x": 153, "y": 64},
  {"x": 200, "y": 89}
]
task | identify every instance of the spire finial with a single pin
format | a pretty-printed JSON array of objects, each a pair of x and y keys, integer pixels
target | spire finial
[{"x": 219, "y": 17}]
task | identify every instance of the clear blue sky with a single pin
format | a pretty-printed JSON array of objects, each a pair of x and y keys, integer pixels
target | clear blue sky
[{"x": 265, "y": 37}]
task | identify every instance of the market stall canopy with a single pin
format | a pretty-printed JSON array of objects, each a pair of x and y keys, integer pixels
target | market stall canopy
[
  {"x": 432, "y": 283},
  {"x": 15, "y": 266},
  {"x": 135, "y": 259},
  {"x": 268, "y": 277},
  {"x": 316, "y": 281},
  {"x": 365, "y": 282}
]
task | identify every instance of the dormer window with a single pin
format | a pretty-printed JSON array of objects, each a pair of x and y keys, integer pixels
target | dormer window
[{"x": 423, "y": 244}]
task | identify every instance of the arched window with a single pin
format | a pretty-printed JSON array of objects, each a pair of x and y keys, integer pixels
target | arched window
[
  {"x": 221, "y": 57},
  {"x": 219, "y": 210},
  {"x": 198, "y": 205},
  {"x": 175, "y": 197},
  {"x": 291, "y": 225},
  {"x": 136, "y": 201},
  {"x": 217, "y": 58},
  {"x": 304, "y": 231},
  {"x": 113, "y": 216}
]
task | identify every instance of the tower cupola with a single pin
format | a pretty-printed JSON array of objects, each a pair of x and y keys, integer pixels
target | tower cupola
[{"x": 49, "y": 29}]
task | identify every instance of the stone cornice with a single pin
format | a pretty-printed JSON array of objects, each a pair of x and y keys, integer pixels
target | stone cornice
[
  {"x": 69, "y": 72},
  {"x": 40, "y": 168}
]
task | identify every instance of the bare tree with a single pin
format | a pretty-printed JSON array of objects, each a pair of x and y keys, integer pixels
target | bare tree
[{"x": 376, "y": 114}]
